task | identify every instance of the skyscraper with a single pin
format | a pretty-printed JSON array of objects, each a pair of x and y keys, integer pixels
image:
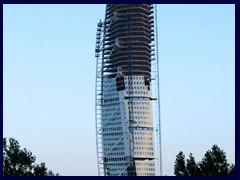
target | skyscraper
[{"x": 124, "y": 119}]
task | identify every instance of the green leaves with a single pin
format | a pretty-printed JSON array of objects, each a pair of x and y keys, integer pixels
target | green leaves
[
  {"x": 214, "y": 163},
  {"x": 18, "y": 162}
]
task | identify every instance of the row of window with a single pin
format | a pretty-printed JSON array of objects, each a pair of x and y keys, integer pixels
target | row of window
[
  {"x": 110, "y": 103},
  {"x": 110, "y": 141},
  {"x": 137, "y": 92},
  {"x": 117, "y": 120},
  {"x": 143, "y": 153},
  {"x": 134, "y": 77},
  {"x": 142, "y": 138},
  {"x": 136, "y": 87},
  {"x": 109, "y": 109},
  {"x": 139, "y": 117},
  {"x": 143, "y": 133},
  {"x": 138, "y": 102},
  {"x": 116, "y": 154},
  {"x": 111, "y": 144},
  {"x": 117, "y": 148},
  {"x": 114, "y": 124},
  {"x": 146, "y": 174},
  {"x": 118, "y": 159},
  {"x": 110, "y": 100},
  {"x": 144, "y": 163},
  {"x": 140, "y": 107},
  {"x": 112, "y": 129},
  {"x": 105, "y": 105},
  {"x": 134, "y": 83},
  {"x": 145, "y": 169},
  {"x": 140, "y": 166},
  {"x": 143, "y": 148},
  {"x": 113, "y": 92},
  {"x": 141, "y": 112},
  {"x": 143, "y": 123},
  {"x": 143, "y": 143},
  {"x": 110, "y": 95},
  {"x": 112, "y": 88},
  {"x": 107, "y": 83},
  {"x": 109, "y": 114},
  {"x": 112, "y": 134},
  {"x": 114, "y": 139},
  {"x": 118, "y": 165}
]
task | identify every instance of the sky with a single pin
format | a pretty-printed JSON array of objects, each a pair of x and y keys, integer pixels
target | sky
[{"x": 49, "y": 82}]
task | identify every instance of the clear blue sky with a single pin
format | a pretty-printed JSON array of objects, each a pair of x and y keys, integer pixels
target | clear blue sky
[{"x": 49, "y": 81}]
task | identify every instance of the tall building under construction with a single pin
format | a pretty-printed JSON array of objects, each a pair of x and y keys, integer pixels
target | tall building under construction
[{"x": 127, "y": 138}]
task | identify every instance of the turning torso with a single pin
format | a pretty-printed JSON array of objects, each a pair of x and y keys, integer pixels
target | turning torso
[{"x": 124, "y": 120}]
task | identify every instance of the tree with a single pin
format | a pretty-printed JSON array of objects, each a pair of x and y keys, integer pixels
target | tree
[
  {"x": 214, "y": 163},
  {"x": 192, "y": 167},
  {"x": 21, "y": 162},
  {"x": 180, "y": 167},
  {"x": 231, "y": 171}
]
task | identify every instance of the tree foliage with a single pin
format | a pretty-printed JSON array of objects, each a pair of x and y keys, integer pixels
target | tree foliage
[
  {"x": 192, "y": 168},
  {"x": 179, "y": 167},
  {"x": 21, "y": 162},
  {"x": 214, "y": 163}
]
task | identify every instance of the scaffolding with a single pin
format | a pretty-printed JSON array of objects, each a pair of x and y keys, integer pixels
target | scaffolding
[
  {"x": 157, "y": 84},
  {"x": 98, "y": 96}
]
